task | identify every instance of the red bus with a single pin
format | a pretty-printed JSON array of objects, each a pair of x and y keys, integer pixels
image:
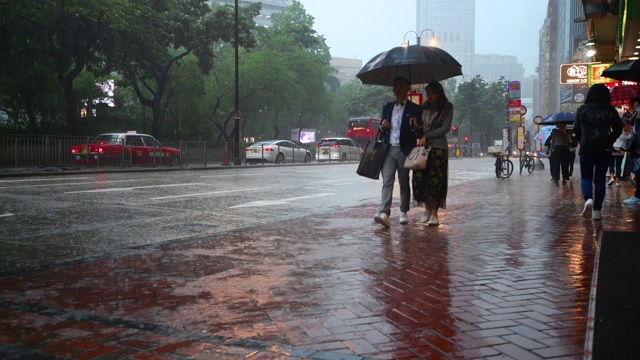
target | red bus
[{"x": 363, "y": 129}]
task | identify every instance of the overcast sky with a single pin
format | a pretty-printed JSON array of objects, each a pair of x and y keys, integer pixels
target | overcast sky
[{"x": 363, "y": 28}]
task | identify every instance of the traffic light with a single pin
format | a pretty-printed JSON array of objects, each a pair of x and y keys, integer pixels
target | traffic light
[
  {"x": 454, "y": 130},
  {"x": 466, "y": 139}
]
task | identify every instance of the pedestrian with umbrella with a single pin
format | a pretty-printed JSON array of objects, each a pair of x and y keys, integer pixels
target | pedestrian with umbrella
[
  {"x": 395, "y": 127},
  {"x": 430, "y": 185},
  {"x": 597, "y": 127},
  {"x": 401, "y": 66},
  {"x": 560, "y": 141}
]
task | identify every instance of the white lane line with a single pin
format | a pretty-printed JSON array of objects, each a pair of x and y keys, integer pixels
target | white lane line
[
  {"x": 280, "y": 201},
  {"x": 207, "y": 193},
  {"x": 68, "y": 184},
  {"x": 328, "y": 181},
  {"x": 47, "y": 179},
  {"x": 6, "y": 215},
  {"x": 132, "y": 188}
]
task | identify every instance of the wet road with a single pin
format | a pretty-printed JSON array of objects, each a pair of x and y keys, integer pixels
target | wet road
[{"x": 45, "y": 220}]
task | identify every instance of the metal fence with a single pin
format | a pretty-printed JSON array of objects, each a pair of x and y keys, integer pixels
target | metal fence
[{"x": 29, "y": 151}]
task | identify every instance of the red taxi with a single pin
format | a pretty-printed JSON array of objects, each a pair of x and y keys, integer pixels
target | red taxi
[{"x": 128, "y": 148}]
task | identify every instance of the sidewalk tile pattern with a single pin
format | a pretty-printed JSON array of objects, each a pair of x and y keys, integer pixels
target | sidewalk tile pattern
[{"x": 506, "y": 276}]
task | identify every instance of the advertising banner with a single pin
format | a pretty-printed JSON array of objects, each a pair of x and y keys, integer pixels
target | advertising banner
[
  {"x": 575, "y": 73},
  {"x": 515, "y": 102},
  {"x": 594, "y": 75}
]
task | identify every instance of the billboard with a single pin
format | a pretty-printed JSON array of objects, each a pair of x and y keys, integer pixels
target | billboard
[
  {"x": 306, "y": 135},
  {"x": 573, "y": 74}
]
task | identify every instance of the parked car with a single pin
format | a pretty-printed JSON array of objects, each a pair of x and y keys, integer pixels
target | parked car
[
  {"x": 341, "y": 149},
  {"x": 128, "y": 148},
  {"x": 277, "y": 151}
]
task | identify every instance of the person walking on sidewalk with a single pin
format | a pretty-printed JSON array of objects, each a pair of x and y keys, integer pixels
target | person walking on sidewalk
[
  {"x": 615, "y": 166},
  {"x": 597, "y": 127},
  {"x": 430, "y": 185},
  {"x": 560, "y": 140},
  {"x": 635, "y": 155},
  {"x": 395, "y": 128}
]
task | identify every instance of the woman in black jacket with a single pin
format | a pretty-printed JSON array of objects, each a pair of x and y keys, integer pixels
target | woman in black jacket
[{"x": 597, "y": 127}]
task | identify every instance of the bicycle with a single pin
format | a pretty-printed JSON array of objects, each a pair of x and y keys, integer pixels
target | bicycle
[
  {"x": 527, "y": 161},
  {"x": 504, "y": 166}
]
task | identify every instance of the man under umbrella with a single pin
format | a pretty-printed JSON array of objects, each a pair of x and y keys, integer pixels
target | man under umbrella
[{"x": 395, "y": 128}]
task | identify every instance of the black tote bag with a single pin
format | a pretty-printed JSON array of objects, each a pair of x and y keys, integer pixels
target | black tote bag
[{"x": 372, "y": 159}]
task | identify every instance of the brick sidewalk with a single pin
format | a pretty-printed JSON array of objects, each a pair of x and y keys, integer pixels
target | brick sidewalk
[{"x": 506, "y": 275}]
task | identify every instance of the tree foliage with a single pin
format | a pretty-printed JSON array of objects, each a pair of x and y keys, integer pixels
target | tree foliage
[{"x": 480, "y": 109}]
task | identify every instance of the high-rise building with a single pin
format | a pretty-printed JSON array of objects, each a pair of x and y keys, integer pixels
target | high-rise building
[
  {"x": 346, "y": 69},
  {"x": 491, "y": 67},
  {"x": 560, "y": 36},
  {"x": 453, "y": 22},
  {"x": 269, "y": 7}
]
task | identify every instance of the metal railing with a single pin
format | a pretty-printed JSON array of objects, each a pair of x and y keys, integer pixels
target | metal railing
[{"x": 38, "y": 151}]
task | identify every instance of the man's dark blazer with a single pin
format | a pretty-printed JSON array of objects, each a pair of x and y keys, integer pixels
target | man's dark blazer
[{"x": 407, "y": 136}]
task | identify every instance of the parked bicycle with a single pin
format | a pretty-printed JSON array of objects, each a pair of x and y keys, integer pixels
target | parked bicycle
[
  {"x": 504, "y": 166},
  {"x": 527, "y": 161}
]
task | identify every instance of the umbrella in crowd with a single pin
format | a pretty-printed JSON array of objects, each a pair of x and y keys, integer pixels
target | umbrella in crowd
[
  {"x": 623, "y": 94},
  {"x": 624, "y": 70},
  {"x": 564, "y": 117},
  {"x": 544, "y": 134},
  {"x": 419, "y": 64}
]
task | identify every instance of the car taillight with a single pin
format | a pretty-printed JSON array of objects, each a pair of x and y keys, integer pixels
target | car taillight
[
  {"x": 318, "y": 146},
  {"x": 336, "y": 146},
  {"x": 100, "y": 150},
  {"x": 267, "y": 149},
  {"x": 247, "y": 150},
  {"x": 73, "y": 151}
]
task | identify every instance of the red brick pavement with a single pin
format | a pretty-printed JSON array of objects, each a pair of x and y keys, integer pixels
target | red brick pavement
[{"x": 507, "y": 276}]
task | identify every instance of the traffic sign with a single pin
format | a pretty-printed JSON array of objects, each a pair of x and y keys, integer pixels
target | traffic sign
[
  {"x": 537, "y": 119},
  {"x": 523, "y": 110}
]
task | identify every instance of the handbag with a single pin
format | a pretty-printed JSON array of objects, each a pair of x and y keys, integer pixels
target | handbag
[
  {"x": 628, "y": 144},
  {"x": 417, "y": 158},
  {"x": 372, "y": 159}
]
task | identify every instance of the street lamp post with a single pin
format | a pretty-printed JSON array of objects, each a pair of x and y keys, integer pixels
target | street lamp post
[
  {"x": 236, "y": 105},
  {"x": 432, "y": 42}
]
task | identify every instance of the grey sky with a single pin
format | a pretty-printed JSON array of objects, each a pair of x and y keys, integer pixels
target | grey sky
[{"x": 363, "y": 28}]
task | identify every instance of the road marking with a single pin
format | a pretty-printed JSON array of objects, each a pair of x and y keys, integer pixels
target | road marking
[
  {"x": 6, "y": 215},
  {"x": 280, "y": 201},
  {"x": 328, "y": 181},
  {"x": 67, "y": 184},
  {"x": 47, "y": 179},
  {"x": 132, "y": 188},
  {"x": 207, "y": 193}
]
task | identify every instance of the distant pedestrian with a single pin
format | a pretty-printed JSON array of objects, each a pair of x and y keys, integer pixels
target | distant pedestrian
[
  {"x": 395, "y": 127},
  {"x": 559, "y": 153},
  {"x": 597, "y": 126},
  {"x": 430, "y": 185},
  {"x": 635, "y": 154}
]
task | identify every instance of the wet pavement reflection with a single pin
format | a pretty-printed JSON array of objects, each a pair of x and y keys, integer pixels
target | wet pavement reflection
[{"x": 507, "y": 275}]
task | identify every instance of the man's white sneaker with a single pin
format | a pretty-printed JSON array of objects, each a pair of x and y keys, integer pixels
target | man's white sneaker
[
  {"x": 425, "y": 216},
  {"x": 610, "y": 182},
  {"x": 633, "y": 200},
  {"x": 587, "y": 212},
  {"x": 597, "y": 215},
  {"x": 403, "y": 218},
  {"x": 383, "y": 219}
]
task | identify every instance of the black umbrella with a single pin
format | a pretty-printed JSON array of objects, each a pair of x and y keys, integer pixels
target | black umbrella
[
  {"x": 419, "y": 64},
  {"x": 624, "y": 70},
  {"x": 564, "y": 117}
]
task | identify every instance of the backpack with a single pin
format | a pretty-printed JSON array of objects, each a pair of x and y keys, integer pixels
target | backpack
[{"x": 598, "y": 137}]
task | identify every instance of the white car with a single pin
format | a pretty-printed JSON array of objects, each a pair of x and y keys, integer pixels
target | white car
[
  {"x": 277, "y": 152},
  {"x": 341, "y": 149}
]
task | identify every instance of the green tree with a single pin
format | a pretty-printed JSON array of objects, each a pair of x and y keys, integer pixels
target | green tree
[
  {"x": 162, "y": 34},
  {"x": 53, "y": 36},
  {"x": 481, "y": 109}
]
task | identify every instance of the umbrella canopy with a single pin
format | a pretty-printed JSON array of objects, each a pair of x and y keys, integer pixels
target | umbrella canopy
[
  {"x": 624, "y": 70},
  {"x": 564, "y": 117},
  {"x": 623, "y": 94},
  {"x": 419, "y": 64},
  {"x": 544, "y": 134}
]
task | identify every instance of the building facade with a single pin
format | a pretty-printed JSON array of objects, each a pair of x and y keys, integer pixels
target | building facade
[
  {"x": 560, "y": 37},
  {"x": 491, "y": 67},
  {"x": 269, "y": 7},
  {"x": 453, "y": 23},
  {"x": 346, "y": 69}
]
